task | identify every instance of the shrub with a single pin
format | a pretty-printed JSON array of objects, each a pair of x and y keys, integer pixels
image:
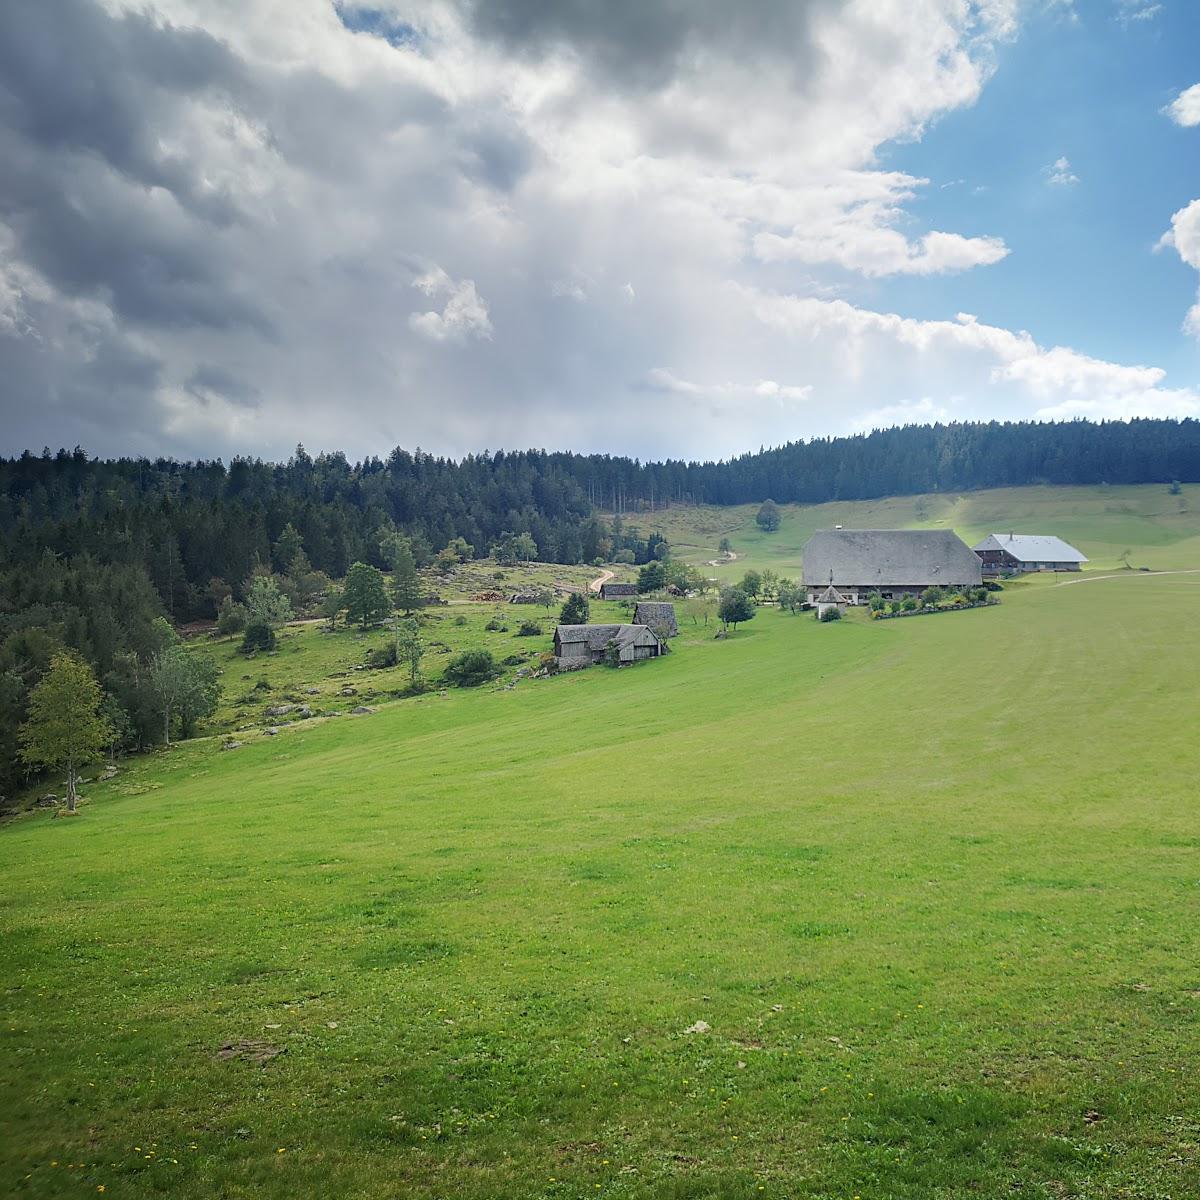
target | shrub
[
  {"x": 932, "y": 596},
  {"x": 460, "y": 621},
  {"x": 470, "y": 668},
  {"x": 231, "y": 618},
  {"x": 876, "y": 602},
  {"x": 383, "y": 656},
  {"x": 529, "y": 629},
  {"x": 832, "y": 614},
  {"x": 908, "y": 604},
  {"x": 259, "y": 636},
  {"x": 895, "y": 606},
  {"x": 495, "y": 625}
]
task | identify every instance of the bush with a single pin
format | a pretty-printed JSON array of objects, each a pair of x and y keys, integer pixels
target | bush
[
  {"x": 259, "y": 636},
  {"x": 529, "y": 629},
  {"x": 495, "y": 625},
  {"x": 470, "y": 668},
  {"x": 932, "y": 596},
  {"x": 385, "y": 656},
  {"x": 832, "y": 614},
  {"x": 231, "y": 618},
  {"x": 908, "y": 604},
  {"x": 895, "y": 606},
  {"x": 460, "y": 621},
  {"x": 876, "y": 602}
]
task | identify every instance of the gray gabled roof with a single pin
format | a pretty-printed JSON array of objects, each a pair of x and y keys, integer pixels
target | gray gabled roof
[
  {"x": 1032, "y": 547},
  {"x": 875, "y": 557},
  {"x": 831, "y": 596},
  {"x": 655, "y": 613},
  {"x": 619, "y": 589},
  {"x": 596, "y": 637}
]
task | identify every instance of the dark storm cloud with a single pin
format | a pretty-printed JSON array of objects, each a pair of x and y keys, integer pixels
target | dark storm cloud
[{"x": 643, "y": 45}]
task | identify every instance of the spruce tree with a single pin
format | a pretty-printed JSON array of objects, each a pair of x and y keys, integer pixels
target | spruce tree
[{"x": 406, "y": 584}]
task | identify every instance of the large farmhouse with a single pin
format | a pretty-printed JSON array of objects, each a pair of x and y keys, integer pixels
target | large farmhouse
[
  {"x": 893, "y": 562},
  {"x": 1027, "y": 552},
  {"x": 577, "y": 645}
]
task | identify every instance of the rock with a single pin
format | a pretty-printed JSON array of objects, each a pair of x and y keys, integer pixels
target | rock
[
  {"x": 699, "y": 1027},
  {"x": 279, "y": 710},
  {"x": 349, "y": 691},
  {"x": 109, "y": 773},
  {"x": 49, "y": 800},
  {"x": 721, "y": 635},
  {"x": 271, "y": 731},
  {"x": 304, "y": 712},
  {"x": 312, "y": 691},
  {"x": 361, "y": 710},
  {"x": 231, "y": 746}
]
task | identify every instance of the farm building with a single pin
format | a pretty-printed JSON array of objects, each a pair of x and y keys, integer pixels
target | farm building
[
  {"x": 575, "y": 645},
  {"x": 526, "y": 598},
  {"x": 1007, "y": 552},
  {"x": 658, "y": 616},
  {"x": 617, "y": 591},
  {"x": 894, "y": 562},
  {"x": 830, "y": 598}
]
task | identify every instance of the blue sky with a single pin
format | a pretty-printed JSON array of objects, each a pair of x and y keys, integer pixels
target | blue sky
[
  {"x": 1084, "y": 85},
  {"x": 650, "y": 227}
]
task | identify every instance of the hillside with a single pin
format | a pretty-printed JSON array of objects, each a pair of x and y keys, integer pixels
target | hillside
[
  {"x": 1162, "y": 529},
  {"x": 903, "y": 909}
]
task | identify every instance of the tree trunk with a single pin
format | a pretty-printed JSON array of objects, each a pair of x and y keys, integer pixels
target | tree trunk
[
  {"x": 167, "y": 725},
  {"x": 71, "y": 788}
]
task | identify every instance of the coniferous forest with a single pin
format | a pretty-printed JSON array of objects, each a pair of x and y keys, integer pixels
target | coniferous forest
[{"x": 101, "y": 556}]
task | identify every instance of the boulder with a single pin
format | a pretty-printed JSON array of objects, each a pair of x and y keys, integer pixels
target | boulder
[
  {"x": 279, "y": 710},
  {"x": 361, "y": 710},
  {"x": 47, "y": 801},
  {"x": 231, "y": 746},
  {"x": 304, "y": 712},
  {"x": 270, "y": 731},
  {"x": 349, "y": 691},
  {"x": 312, "y": 691}
]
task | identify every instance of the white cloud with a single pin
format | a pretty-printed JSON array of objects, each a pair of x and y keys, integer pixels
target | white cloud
[
  {"x": 1185, "y": 108},
  {"x": 1059, "y": 173},
  {"x": 1184, "y": 238},
  {"x": 659, "y": 379},
  {"x": 464, "y": 315},
  {"x": 969, "y": 358},
  {"x": 1130, "y": 11}
]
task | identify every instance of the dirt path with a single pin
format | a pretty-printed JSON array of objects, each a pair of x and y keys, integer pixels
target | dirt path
[
  {"x": 1126, "y": 575},
  {"x": 600, "y": 581},
  {"x": 730, "y": 556}
]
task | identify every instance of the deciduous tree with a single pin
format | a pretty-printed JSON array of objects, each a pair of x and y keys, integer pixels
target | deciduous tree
[{"x": 65, "y": 728}]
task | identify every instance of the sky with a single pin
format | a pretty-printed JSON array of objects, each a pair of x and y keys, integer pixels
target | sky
[{"x": 663, "y": 228}]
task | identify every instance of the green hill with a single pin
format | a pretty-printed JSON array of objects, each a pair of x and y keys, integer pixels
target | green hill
[
  {"x": 1102, "y": 521},
  {"x": 903, "y": 909}
]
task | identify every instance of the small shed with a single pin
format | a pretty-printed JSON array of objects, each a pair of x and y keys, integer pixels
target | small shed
[
  {"x": 831, "y": 598},
  {"x": 658, "y": 615},
  {"x": 617, "y": 591},
  {"x": 526, "y": 598},
  {"x": 581, "y": 645}
]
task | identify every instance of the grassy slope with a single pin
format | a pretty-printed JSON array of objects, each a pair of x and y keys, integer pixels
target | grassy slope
[
  {"x": 1102, "y": 521},
  {"x": 933, "y": 882}
]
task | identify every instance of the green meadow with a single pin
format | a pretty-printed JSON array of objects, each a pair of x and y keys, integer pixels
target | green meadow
[
  {"x": 1160, "y": 530},
  {"x": 888, "y": 910}
]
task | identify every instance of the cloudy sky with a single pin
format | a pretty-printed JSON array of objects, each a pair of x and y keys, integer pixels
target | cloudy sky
[{"x": 655, "y": 227}]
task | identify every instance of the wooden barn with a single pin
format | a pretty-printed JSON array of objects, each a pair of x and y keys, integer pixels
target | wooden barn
[
  {"x": 894, "y": 562},
  {"x": 658, "y": 615},
  {"x": 1006, "y": 553},
  {"x": 577, "y": 645},
  {"x": 617, "y": 591}
]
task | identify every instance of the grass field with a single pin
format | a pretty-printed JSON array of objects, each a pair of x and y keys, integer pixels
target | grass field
[
  {"x": 1160, "y": 529},
  {"x": 896, "y": 910}
]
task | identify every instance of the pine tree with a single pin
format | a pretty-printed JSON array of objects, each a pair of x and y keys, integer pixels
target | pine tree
[
  {"x": 65, "y": 728},
  {"x": 575, "y": 611}
]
